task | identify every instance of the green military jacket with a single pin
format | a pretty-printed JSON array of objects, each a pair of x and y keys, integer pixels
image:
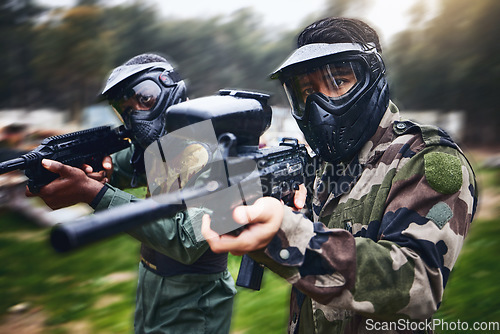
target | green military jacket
[
  {"x": 174, "y": 237},
  {"x": 184, "y": 303},
  {"x": 385, "y": 233}
]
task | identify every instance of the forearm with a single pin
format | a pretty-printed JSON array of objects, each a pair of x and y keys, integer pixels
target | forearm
[
  {"x": 320, "y": 262},
  {"x": 393, "y": 282},
  {"x": 335, "y": 269}
]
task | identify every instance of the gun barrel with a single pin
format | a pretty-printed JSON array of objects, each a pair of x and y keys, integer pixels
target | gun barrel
[
  {"x": 68, "y": 236},
  {"x": 10, "y": 165}
]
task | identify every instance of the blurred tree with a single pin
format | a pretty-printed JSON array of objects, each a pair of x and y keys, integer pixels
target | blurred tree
[
  {"x": 133, "y": 28},
  {"x": 453, "y": 63},
  {"x": 61, "y": 58},
  {"x": 72, "y": 50},
  {"x": 235, "y": 53},
  {"x": 16, "y": 39},
  {"x": 350, "y": 8},
  {"x": 72, "y": 57}
]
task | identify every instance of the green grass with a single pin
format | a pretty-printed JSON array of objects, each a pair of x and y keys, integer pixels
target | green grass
[
  {"x": 263, "y": 311},
  {"x": 489, "y": 178},
  {"x": 79, "y": 286},
  {"x": 68, "y": 287},
  {"x": 473, "y": 293}
]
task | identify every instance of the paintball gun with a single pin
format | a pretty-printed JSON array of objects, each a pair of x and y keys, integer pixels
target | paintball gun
[
  {"x": 82, "y": 147},
  {"x": 239, "y": 118}
]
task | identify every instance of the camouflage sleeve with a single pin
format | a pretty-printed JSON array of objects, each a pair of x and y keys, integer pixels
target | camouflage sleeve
[
  {"x": 320, "y": 262},
  {"x": 403, "y": 270},
  {"x": 428, "y": 211}
]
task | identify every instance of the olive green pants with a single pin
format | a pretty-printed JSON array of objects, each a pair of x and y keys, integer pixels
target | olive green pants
[{"x": 186, "y": 304}]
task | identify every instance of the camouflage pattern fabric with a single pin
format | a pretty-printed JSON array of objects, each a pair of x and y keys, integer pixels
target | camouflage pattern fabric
[{"x": 386, "y": 231}]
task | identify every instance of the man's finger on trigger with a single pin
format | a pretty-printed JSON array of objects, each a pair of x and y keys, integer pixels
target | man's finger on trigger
[
  {"x": 28, "y": 193},
  {"x": 298, "y": 202},
  {"x": 220, "y": 243},
  {"x": 245, "y": 214}
]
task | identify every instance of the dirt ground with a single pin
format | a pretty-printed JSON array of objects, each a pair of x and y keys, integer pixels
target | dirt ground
[{"x": 29, "y": 321}]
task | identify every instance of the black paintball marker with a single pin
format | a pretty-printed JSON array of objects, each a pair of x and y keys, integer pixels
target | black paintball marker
[
  {"x": 82, "y": 147},
  {"x": 239, "y": 118}
]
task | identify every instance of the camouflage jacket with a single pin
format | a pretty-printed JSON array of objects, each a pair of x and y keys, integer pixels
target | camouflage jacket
[{"x": 387, "y": 229}]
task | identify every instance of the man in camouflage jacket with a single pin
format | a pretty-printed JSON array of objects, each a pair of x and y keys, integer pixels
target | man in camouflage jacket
[{"x": 390, "y": 206}]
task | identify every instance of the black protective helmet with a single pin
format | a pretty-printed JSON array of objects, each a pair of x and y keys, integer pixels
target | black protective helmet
[
  {"x": 338, "y": 94},
  {"x": 140, "y": 93}
]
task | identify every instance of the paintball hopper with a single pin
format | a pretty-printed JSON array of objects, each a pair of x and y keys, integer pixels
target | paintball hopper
[{"x": 244, "y": 112}]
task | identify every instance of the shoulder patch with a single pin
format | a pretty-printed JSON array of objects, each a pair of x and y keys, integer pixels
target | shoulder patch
[
  {"x": 443, "y": 172},
  {"x": 440, "y": 214}
]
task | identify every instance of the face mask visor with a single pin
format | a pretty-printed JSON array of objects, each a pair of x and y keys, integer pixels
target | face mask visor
[
  {"x": 338, "y": 82},
  {"x": 137, "y": 101}
]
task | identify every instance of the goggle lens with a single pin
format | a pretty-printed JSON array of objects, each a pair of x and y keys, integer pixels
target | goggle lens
[
  {"x": 141, "y": 97},
  {"x": 334, "y": 80}
]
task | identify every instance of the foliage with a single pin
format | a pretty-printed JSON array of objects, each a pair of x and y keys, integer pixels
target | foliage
[
  {"x": 60, "y": 59},
  {"x": 451, "y": 63}
]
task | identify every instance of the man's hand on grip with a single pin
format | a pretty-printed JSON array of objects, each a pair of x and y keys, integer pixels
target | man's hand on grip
[
  {"x": 262, "y": 220},
  {"x": 72, "y": 187}
]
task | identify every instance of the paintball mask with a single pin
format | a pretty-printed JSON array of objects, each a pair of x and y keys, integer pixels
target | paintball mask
[
  {"x": 140, "y": 94},
  {"x": 338, "y": 94}
]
